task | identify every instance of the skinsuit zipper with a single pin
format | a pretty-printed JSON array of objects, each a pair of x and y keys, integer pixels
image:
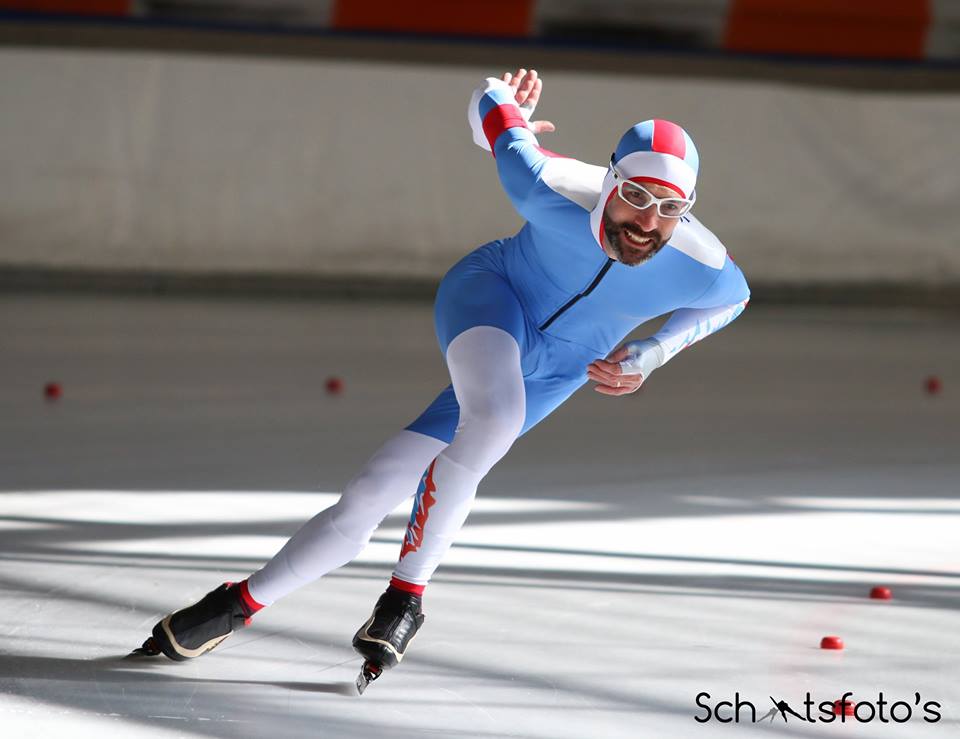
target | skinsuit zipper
[{"x": 570, "y": 303}]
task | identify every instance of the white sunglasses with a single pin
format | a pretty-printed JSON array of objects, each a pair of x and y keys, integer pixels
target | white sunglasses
[{"x": 640, "y": 198}]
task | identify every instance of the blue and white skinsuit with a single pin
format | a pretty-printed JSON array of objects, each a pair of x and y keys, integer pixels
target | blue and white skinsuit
[{"x": 519, "y": 320}]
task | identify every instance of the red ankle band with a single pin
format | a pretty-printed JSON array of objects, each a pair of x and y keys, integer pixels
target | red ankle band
[
  {"x": 406, "y": 587},
  {"x": 249, "y": 604}
]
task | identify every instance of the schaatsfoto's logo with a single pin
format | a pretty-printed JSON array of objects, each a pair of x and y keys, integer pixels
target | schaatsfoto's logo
[{"x": 845, "y": 709}]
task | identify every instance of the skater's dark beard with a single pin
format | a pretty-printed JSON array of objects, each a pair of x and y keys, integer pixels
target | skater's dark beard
[{"x": 625, "y": 253}]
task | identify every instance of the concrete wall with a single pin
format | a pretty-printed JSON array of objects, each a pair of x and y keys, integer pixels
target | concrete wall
[{"x": 147, "y": 161}]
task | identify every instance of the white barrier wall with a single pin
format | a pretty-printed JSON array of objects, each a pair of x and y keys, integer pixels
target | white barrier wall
[{"x": 115, "y": 160}]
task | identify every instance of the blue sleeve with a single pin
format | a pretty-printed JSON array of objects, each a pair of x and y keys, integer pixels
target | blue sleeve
[
  {"x": 519, "y": 165},
  {"x": 729, "y": 287},
  {"x": 498, "y": 126}
]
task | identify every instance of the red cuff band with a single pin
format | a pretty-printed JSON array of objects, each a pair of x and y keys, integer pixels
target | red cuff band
[
  {"x": 499, "y": 119},
  {"x": 249, "y": 604},
  {"x": 406, "y": 587}
]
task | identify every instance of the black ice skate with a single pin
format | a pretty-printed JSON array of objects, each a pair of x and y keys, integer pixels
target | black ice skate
[
  {"x": 197, "y": 629},
  {"x": 384, "y": 638}
]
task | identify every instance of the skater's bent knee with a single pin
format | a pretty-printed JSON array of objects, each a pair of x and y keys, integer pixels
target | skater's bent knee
[
  {"x": 482, "y": 440},
  {"x": 498, "y": 425}
]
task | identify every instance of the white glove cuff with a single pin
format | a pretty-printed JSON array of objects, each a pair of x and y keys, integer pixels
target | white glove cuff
[{"x": 643, "y": 358}]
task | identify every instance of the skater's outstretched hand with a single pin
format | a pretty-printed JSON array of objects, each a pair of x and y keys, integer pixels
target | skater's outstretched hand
[
  {"x": 527, "y": 87},
  {"x": 610, "y": 377}
]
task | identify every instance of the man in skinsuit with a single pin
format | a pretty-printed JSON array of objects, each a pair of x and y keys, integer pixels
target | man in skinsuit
[{"x": 523, "y": 322}]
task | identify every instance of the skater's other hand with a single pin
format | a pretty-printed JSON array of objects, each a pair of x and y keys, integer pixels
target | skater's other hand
[
  {"x": 609, "y": 375},
  {"x": 527, "y": 87}
]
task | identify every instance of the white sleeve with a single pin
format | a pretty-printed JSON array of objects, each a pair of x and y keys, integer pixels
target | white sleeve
[{"x": 685, "y": 327}]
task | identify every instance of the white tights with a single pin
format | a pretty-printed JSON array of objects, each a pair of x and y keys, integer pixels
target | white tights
[{"x": 484, "y": 364}]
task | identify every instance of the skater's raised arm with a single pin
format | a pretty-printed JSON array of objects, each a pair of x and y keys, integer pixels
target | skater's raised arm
[{"x": 499, "y": 114}]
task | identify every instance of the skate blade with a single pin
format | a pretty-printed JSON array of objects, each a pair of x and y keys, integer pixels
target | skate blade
[
  {"x": 148, "y": 649},
  {"x": 368, "y": 674}
]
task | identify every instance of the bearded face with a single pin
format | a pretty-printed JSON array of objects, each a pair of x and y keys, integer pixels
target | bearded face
[
  {"x": 631, "y": 245},
  {"x": 633, "y": 236}
]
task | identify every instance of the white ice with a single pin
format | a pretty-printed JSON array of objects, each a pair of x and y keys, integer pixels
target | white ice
[{"x": 629, "y": 554}]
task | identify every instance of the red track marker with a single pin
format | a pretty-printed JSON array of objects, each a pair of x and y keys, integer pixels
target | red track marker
[
  {"x": 845, "y": 708},
  {"x": 831, "y": 642}
]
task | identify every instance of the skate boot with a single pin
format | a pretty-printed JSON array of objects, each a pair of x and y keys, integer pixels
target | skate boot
[
  {"x": 383, "y": 639},
  {"x": 197, "y": 629}
]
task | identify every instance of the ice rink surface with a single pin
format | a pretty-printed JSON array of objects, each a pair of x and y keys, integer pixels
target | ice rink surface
[{"x": 628, "y": 555}]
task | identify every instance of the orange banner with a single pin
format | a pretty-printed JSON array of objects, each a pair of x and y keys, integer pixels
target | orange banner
[
  {"x": 490, "y": 18},
  {"x": 889, "y": 29}
]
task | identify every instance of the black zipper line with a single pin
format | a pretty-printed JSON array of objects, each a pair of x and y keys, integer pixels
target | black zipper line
[{"x": 570, "y": 303}]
